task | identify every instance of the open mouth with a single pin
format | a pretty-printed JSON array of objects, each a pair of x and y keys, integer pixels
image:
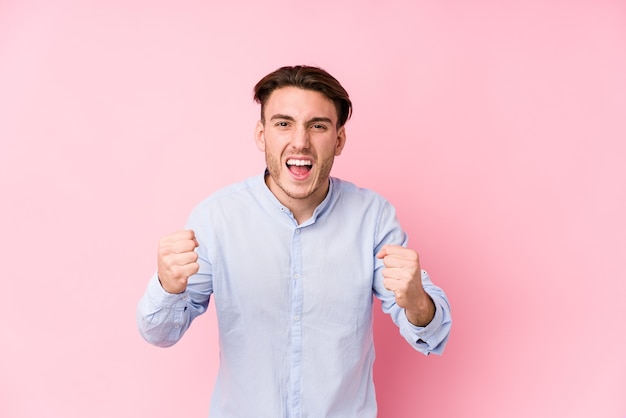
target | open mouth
[{"x": 299, "y": 168}]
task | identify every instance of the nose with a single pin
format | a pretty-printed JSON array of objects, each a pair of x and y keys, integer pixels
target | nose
[{"x": 300, "y": 139}]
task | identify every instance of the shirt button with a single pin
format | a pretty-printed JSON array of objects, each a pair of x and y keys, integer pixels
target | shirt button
[
  {"x": 296, "y": 276},
  {"x": 298, "y": 231},
  {"x": 296, "y": 318}
]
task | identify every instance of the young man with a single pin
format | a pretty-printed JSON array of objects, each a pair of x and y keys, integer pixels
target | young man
[{"x": 292, "y": 258}]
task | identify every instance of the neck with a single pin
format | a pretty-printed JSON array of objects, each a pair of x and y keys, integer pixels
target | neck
[{"x": 301, "y": 208}]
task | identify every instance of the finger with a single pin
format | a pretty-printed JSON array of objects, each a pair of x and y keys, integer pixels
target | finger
[
  {"x": 382, "y": 253},
  {"x": 176, "y": 247},
  {"x": 399, "y": 251},
  {"x": 186, "y": 234},
  {"x": 399, "y": 274},
  {"x": 180, "y": 259},
  {"x": 390, "y": 249},
  {"x": 397, "y": 287},
  {"x": 190, "y": 269},
  {"x": 184, "y": 246},
  {"x": 175, "y": 272},
  {"x": 393, "y": 261},
  {"x": 390, "y": 283}
]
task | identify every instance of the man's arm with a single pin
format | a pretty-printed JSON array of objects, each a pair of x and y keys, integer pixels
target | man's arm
[
  {"x": 176, "y": 294},
  {"x": 403, "y": 276},
  {"x": 177, "y": 260},
  {"x": 418, "y": 307}
]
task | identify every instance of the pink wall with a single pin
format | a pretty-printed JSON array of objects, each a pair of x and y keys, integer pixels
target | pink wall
[{"x": 498, "y": 131}]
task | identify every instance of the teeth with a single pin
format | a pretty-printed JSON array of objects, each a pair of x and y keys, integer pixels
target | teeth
[{"x": 298, "y": 162}]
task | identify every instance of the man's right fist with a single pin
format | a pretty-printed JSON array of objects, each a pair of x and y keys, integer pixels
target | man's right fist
[{"x": 177, "y": 260}]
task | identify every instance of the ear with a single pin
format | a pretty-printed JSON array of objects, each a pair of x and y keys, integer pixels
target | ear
[
  {"x": 259, "y": 135},
  {"x": 341, "y": 140}
]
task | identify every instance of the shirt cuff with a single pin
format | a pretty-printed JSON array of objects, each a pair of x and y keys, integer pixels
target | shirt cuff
[
  {"x": 422, "y": 337},
  {"x": 160, "y": 297}
]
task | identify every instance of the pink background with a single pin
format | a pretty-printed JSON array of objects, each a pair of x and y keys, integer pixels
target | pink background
[{"x": 497, "y": 129}]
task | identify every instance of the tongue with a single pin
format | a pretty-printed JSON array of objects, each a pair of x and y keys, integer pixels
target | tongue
[{"x": 299, "y": 170}]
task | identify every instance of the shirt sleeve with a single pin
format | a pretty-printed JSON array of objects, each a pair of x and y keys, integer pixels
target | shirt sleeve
[
  {"x": 433, "y": 337},
  {"x": 162, "y": 317}
]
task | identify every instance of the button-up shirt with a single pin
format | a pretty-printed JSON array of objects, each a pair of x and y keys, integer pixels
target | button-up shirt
[{"x": 293, "y": 301}]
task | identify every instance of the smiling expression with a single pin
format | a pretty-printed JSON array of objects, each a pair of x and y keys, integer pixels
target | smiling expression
[{"x": 300, "y": 139}]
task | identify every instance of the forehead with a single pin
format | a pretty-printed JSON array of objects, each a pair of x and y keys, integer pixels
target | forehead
[{"x": 299, "y": 104}]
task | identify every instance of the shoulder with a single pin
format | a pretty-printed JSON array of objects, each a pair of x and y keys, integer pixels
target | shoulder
[
  {"x": 365, "y": 209},
  {"x": 231, "y": 195},
  {"x": 360, "y": 202},
  {"x": 346, "y": 190}
]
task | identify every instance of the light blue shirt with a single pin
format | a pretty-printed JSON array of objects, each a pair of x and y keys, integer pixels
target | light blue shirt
[{"x": 293, "y": 302}]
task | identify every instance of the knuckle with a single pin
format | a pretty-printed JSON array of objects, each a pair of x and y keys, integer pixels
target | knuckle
[
  {"x": 173, "y": 270},
  {"x": 163, "y": 250}
]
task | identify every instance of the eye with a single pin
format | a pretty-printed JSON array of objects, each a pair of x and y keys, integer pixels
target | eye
[
  {"x": 281, "y": 124},
  {"x": 319, "y": 127}
]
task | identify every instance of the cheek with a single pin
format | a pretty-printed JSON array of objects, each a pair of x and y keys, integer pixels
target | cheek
[
  {"x": 334, "y": 151},
  {"x": 273, "y": 152}
]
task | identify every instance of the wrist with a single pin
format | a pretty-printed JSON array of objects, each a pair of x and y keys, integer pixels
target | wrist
[
  {"x": 168, "y": 290},
  {"x": 422, "y": 313}
]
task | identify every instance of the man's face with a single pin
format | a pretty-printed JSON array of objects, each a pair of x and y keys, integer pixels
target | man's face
[{"x": 300, "y": 140}]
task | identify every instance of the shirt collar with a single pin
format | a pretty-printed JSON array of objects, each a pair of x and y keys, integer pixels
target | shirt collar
[{"x": 319, "y": 211}]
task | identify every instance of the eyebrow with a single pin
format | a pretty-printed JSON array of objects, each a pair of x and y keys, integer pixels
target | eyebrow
[
  {"x": 320, "y": 119},
  {"x": 281, "y": 116},
  {"x": 312, "y": 120}
]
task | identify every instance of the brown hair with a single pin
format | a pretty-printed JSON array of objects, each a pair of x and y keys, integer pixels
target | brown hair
[{"x": 308, "y": 78}]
